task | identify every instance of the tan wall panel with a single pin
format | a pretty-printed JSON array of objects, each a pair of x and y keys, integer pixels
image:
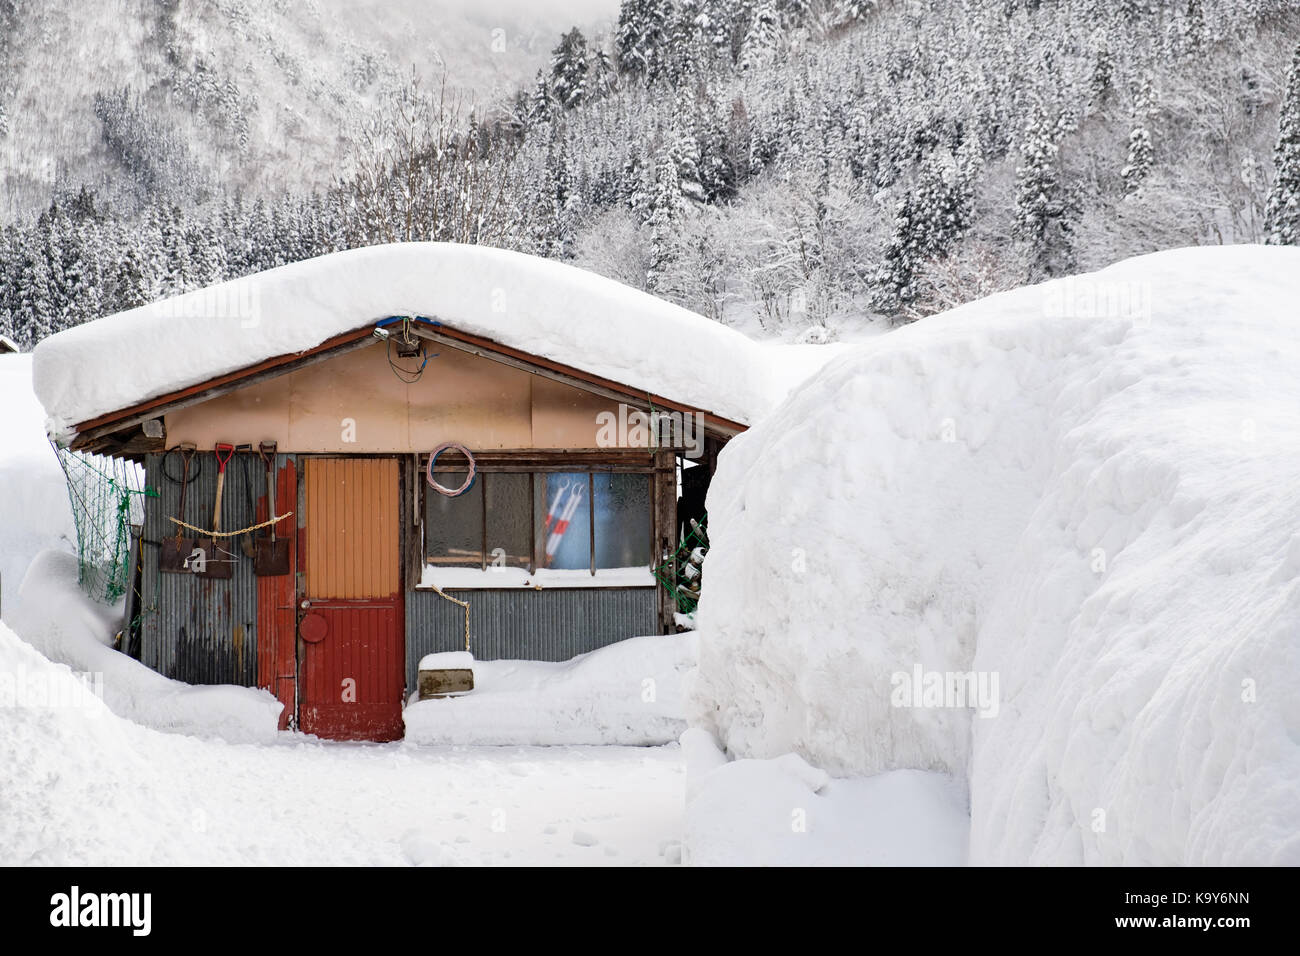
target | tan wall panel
[
  {"x": 461, "y": 397},
  {"x": 358, "y": 389},
  {"x": 253, "y": 414},
  {"x": 471, "y": 400},
  {"x": 565, "y": 417}
]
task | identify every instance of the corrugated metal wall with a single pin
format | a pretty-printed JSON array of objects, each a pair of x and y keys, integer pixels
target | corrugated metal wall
[
  {"x": 197, "y": 630},
  {"x": 551, "y": 625}
]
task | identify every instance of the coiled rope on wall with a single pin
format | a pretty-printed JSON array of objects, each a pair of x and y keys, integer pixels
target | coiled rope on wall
[
  {"x": 452, "y": 493},
  {"x": 469, "y": 478}
]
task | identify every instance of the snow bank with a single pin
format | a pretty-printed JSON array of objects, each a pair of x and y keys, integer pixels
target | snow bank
[
  {"x": 538, "y": 305},
  {"x": 447, "y": 660},
  {"x": 1079, "y": 493},
  {"x": 82, "y": 787},
  {"x": 783, "y": 812},
  {"x": 68, "y": 628},
  {"x": 34, "y": 511},
  {"x": 626, "y": 693},
  {"x": 78, "y": 784}
]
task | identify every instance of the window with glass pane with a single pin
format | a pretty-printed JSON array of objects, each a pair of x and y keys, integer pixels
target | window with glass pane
[
  {"x": 453, "y": 527},
  {"x": 622, "y": 518},
  {"x": 509, "y": 501},
  {"x": 564, "y": 520}
]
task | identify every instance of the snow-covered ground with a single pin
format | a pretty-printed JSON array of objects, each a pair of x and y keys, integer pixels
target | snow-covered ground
[
  {"x": 83, "y": 787},
  {"x": 1082, "y": 496},
  {"x": 783, "y": 812},
  {"x": 107, "y": 762}
]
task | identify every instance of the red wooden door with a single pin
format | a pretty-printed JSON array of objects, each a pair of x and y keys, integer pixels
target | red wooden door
[{"x": 351, "y": 627}]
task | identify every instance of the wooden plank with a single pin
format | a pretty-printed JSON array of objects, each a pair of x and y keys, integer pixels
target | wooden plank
[
  {"x": 132, "y": 445},
  {"x": 534, "y": 459}
]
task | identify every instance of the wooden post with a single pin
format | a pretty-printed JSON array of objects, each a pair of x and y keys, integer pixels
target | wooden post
[{"x": 665, "y": 540}]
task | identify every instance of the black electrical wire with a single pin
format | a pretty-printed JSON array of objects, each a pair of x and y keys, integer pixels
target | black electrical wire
[{"x": 407, "y": 375}]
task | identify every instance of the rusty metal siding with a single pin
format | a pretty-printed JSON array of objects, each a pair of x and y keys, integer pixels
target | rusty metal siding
[
  {"x": 519, "y": 624},
  {"x": 277, "y": 614},
  {"x": 352, "y": 510},
  {"x": 195, "y": 630}
]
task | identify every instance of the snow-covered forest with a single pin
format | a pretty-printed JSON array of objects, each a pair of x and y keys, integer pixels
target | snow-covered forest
[{"x": 803, "y": 166}]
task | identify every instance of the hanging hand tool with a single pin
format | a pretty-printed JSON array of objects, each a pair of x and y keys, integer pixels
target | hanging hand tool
[
  {"x": 247, "y": 541},
  {"x": 272, "y": 553},
  {"x": 219, "y": 561},
  {"x": 176, "y": 550}
]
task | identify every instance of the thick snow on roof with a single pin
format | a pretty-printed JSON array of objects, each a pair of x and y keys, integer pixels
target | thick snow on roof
[
  {"x": 1082, "y": 495},
  {"x": 543, "y": 307}
]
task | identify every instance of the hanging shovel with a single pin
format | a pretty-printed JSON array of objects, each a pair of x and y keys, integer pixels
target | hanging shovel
[
  {"x": 272, "y": 553},
  {"x": 176, "y": 550},
  {"x": 247, "y": 542},
  {"x": 218, "y": 561}
]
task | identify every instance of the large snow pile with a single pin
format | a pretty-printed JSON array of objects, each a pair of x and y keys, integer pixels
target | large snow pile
[
  {"x": 537, "y": 305},
  {"x": 34, "y": 511},
  {"x": 1082, "y": 493},
  {"x": 627, "y": 693},
  {"x": 55, "y": 617}
]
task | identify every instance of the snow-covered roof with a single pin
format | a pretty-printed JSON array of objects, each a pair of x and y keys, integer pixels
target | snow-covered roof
[
  {"x": 538, "y": 306},
  {"x": 8, "y": 345}
]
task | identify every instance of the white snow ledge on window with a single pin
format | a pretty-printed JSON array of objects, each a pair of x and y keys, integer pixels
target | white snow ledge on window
[{"x": 474, "y": 578}]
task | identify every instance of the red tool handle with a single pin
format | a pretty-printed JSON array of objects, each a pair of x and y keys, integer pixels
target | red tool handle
[{"x": 229, "y": 450}]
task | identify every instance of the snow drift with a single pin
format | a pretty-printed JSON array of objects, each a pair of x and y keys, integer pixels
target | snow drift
[
  {"x": 34, "y": 510},
  {"x": 541, "y": 306},
  {"x": 56, "y": 618},
  {"x": 1082, "y": 489},
  {"x": 627, "y": 693}
]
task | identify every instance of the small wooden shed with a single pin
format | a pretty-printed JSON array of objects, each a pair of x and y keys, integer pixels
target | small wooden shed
[{"x": 576, "y": 479}]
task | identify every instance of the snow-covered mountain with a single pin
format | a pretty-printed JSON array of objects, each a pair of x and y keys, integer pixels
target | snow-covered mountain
[
  {"x": 253, "y": 96},
  {"x": 797, "y": 168}
]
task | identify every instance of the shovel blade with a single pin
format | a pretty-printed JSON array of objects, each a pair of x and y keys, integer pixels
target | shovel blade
[
  {"x": 175, "y": 552},
  {"x": 272, "y": 557},
  {"x": 217, "y": 563}
]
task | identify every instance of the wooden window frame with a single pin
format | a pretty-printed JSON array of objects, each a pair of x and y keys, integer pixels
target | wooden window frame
[{"x": 534, "y": 462}]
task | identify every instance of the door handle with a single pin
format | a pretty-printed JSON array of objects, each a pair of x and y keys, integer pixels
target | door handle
[{"x": 306, "y": 605}]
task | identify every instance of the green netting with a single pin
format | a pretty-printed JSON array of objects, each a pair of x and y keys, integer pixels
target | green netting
[
  {"x": 680, "y": 574},
  {"x": 107, "y": 496}
]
